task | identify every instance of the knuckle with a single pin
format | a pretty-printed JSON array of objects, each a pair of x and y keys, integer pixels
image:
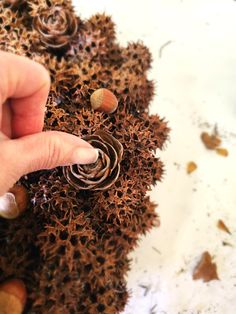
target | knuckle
[{"x": 54, "y": 150}]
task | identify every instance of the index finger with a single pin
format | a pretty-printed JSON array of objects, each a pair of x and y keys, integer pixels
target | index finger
[{"x": 26, "y": 83}]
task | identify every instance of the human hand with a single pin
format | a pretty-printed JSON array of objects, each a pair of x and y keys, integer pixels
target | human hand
[{"x": 24, "y": 148}]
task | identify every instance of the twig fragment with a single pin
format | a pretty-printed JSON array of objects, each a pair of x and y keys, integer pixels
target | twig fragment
[{"x": 163, "y": 47}]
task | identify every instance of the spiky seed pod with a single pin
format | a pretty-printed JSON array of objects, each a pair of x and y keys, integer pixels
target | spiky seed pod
[
  {"x": 104, "y": 172},
  {"x": 13, "y": 3},
  {"x": 57, "y": 26}
]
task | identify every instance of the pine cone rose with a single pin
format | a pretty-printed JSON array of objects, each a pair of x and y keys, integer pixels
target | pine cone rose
[
  {"x": 102, "y": 174},
  {"x": 57, "y": 26}
]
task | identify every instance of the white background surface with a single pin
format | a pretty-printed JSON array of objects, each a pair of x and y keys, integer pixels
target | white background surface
[{"x": 196, "y": 79}]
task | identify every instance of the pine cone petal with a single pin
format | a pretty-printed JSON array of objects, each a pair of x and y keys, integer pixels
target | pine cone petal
[
  {"x": 105, "y": 185},
  {"x": 102, "y": 174},
  {"x": 113, "y": 142}
]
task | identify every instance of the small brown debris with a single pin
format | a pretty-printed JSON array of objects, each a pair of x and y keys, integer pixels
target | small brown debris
[
  {"x": 205, "y": 269},
  {"x": 146, "y": 289},
  {"x": 163, "y": 47},
  {"x": 156, "y": 250},
  {"x": 210, "y": 141},
  {"x": 191, "y": 166},
  {"x": 224, "y": 243},
  {"x": 153, "y": 309},
  {"x": 182, "y": 270},
  {"x": 222, "y": 151},
  {"x": 222, "y": 226}
]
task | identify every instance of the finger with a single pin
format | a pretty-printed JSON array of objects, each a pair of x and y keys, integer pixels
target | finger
[
  {"x": 27, "y": 84},
  {"x": 43, "y": 150},
  {"x": 6, "y": 122}
]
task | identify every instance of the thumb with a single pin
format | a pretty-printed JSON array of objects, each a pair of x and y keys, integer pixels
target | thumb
[{"x": 43, "y": 150}]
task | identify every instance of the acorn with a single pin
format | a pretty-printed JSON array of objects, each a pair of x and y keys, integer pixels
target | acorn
[
  {"x": 104, "y": 100},
  {"x": 14, "y": 202},
  {"x": 13, "y": 296}
]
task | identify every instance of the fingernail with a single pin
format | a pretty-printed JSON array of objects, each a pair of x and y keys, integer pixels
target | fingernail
[{"x": 84, "y": 156}]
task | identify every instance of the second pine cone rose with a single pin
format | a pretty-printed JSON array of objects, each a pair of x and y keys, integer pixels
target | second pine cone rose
[
  {"x": 56, "y": 26},
  {"x": 105, "y": 171}
]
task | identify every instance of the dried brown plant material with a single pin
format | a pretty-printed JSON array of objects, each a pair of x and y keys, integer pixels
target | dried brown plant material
[
  {"x": 191, "y": 167},
  {"x": 222, "y": 226},
  {"x": 211, "y": 141},
  {"x": 57, "y": 26},
  {"x": 222, "y": 151},
  {"x": 13, "y": 3},
  {"x": 224, "y": 243},
  {"x": 205, "y": 269},
  {"x": 102, "y": 174},
  {"x": 12, "y": 297}
]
